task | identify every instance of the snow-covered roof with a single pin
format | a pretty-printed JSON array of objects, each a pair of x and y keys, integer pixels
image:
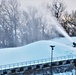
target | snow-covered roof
[{"x": 37, "y": 50}]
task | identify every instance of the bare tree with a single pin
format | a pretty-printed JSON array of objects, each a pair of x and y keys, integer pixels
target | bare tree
[
  {"x": 72, "y": 22},
  {"x": 69, "y": 23},
  {"x": 10, "y": 17},
  {"x": 31, "y": 25},
  {"x": 58, "y": 8}
]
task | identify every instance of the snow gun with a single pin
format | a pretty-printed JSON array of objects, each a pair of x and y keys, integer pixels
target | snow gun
[{"x": 74, "y": 44}]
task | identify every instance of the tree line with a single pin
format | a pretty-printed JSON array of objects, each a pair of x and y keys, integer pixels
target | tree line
[{"x": 20, "y": 27}]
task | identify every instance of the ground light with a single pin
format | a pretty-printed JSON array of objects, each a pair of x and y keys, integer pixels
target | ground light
[{"x": 52, "y": 48}]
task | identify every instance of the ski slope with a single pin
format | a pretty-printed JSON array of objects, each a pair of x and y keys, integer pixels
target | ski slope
[{"x": 37, "y": 50}]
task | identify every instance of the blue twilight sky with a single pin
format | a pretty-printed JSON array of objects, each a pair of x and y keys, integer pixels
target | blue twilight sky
[{"x": 70, "y": 4}]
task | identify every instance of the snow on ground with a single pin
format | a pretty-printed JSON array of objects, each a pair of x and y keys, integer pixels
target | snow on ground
[{"x": 37, "y": 50}]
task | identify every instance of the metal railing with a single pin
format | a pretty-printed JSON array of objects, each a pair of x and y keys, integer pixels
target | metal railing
[{"x": 34, "y": 62}]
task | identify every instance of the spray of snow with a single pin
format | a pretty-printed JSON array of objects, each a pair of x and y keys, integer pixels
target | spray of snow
[
  {"x": 51, "y": 20},
  {"x": 61, "y": 30}
]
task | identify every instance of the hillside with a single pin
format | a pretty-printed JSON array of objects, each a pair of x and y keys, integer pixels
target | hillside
[{"x": 36, "y": 51}]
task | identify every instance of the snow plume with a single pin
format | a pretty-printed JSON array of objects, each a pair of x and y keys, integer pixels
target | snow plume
[{"x": 51, "y": 20}]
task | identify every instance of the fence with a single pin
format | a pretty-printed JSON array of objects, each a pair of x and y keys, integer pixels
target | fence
[{"x": 34, "y": 62}]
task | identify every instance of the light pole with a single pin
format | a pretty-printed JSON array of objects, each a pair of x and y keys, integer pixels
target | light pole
[{"x": 51, "y": 56}]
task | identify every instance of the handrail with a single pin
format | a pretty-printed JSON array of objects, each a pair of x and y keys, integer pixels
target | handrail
[{"x": 34, "y": 62}]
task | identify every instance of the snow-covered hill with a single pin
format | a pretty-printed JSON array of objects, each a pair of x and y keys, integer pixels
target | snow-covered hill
[{"x": 37, "y": 50}]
